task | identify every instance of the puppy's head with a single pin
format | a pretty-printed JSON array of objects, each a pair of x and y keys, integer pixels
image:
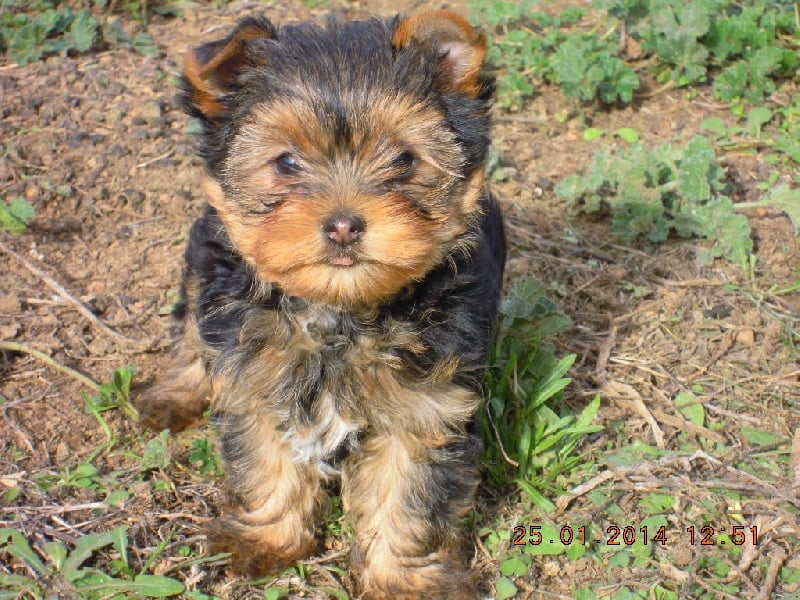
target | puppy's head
[{"x": 345, "y": 160}]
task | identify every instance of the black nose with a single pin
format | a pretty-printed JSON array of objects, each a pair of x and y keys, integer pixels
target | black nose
[{"x": 344, "y": 228}]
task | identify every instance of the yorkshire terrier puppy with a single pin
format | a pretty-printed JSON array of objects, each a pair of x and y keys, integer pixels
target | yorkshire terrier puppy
[{"x": 341, "y": 290}]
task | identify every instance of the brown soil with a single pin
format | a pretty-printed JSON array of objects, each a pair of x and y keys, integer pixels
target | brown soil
[{"x": 646, "y": 324}]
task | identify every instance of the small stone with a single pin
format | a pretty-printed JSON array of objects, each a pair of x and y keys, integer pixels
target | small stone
[
  {"x": 62, "y": 450},
  {"x": 42, "y": 151},
  {"x": 617, "y": 272},
  {"x": 94, "y": 116},
  {"x": 100, "y": 347},
  {"x": 75, "y": 139},
  {"x": 10, "y": 304},
  {"x": 682, "y": 556},
  {"x": 32, "y": 193},
  {"x": 131, "y": 196},
  {"x": 112, "y": 116},
  {"x": 142, "y": 490},
  {"x": 9, "y": 332},
  {"x": 49, "y": 321},
  {"x": 150, "y": 111},
  {"x": 96, "y": 287},
  {"x": 746, "y": 337},
  {"x": 551, "y": 569}
]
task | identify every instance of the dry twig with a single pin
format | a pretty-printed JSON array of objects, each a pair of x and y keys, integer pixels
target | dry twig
[
  {"x": 796, "y": 461},
  {"x": 777, "y": 558},
  {"x": 55, "y": 286},
  {"x": 628, "y": 392}
]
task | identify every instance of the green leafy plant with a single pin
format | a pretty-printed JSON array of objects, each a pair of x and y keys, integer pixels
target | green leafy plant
[
  {"x": 84, "y": 476},
  {"x": 689, "y": 39},
  {"x": 52, "y": 29},
  {"x": 156, "y": 453},
  {"x": 536, "y": 46},
  {"x": 784, "y": 198},
  {"x": 528, "y": 433},
  {"x": 143, "y": 43},
  {"x": 205, "y": 456},
  {"x": 785, "y": 134},
  {"x": 110, "y": 396},
  {"x": 502, "y": 12},
  {"x": 653, "y": 194},
  {"x": 626, "y": 134},
  {"x": 63, "y": 571},
  {"x": 41, "y": 28},
  {"x": 586, "y": 68},
  {"x": 727, "y": 135},
  {"x": 750, "y": 38},
  {"x": 115, "y": 394},
  {"x": 753, "y": 78},
  {"x": 746, "y": 49},
  {"x": 787, "y": 138},
  {"x": 672, "y": 31},
  {"x": 16, "y": 215}
]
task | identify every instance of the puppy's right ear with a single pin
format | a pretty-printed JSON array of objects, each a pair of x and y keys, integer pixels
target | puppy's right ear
[
  {"x": 462, "y": 48},
  {"x": 211, "y": 69}
]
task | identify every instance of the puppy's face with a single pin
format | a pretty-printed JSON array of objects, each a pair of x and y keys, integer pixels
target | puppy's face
[{"x": 345, "y": 161}]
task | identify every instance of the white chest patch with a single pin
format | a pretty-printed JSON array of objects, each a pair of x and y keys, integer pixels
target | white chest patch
[{"x": 321, "y": 441}]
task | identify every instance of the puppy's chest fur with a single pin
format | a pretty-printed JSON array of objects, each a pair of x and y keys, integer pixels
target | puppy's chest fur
[{"x": 325, "y": 376}]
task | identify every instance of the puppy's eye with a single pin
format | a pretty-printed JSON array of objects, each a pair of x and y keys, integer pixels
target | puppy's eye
[
  {"x": 403, "y": 166},
  {"x": 286, "y": 164}
]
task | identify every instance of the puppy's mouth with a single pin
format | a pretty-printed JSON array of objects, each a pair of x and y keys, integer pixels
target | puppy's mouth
[
  {"x": 342, "y": 261},
  {"x": 343, "y": 257}
]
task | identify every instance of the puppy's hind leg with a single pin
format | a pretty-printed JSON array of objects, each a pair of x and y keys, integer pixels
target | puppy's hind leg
[{"x": 179, "y": 397}]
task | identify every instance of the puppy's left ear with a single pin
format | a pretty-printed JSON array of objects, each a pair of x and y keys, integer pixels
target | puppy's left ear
[
  {"x": 462, "y": 47},
  {"x": 211, "y": 69}
]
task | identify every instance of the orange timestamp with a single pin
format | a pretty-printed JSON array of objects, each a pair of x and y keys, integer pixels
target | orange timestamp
[{"x": 628, "y": 535}]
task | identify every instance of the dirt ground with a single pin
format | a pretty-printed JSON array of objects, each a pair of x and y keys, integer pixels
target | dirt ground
[{"x": 97, "y": 144}]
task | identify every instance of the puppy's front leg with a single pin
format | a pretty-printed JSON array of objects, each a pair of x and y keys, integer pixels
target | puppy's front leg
[
  {"x": 406, "y": 494},
  {"x": 274, "y": 501}
]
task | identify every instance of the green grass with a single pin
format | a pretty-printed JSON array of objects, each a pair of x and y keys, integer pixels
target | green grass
[
  {"x": 100, "y": 562},
  {"x": 62, "y": 569},
  {"x": 41, "y": 28},
  {"x": 745, "y": 52},
  {"x": 777, "y": 129},
  {"x": 531, "y": 434}
]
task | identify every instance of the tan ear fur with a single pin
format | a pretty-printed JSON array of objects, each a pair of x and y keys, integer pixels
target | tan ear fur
[
  {"x": 463, "y": 46},
  {"x": 212, "y": 68}
]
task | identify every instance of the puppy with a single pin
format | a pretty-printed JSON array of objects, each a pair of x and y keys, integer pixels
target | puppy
[{"x": 341, "y": 290}]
